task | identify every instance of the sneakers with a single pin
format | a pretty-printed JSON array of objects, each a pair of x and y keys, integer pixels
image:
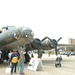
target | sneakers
[{"x": 12, "y": 73}]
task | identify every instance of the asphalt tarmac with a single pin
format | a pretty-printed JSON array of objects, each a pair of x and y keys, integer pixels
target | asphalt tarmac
[{"x": 67, "y": 66}]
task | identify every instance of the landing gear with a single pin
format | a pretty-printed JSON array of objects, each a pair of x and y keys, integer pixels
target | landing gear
[{"x": 39, "y": 53}]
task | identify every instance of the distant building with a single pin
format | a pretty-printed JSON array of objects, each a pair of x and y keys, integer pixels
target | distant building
[
  {"x": 70, "y": 45},
  {"x": 71, "y": 41}
]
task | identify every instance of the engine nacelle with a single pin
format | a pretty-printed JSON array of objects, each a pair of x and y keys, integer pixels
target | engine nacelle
[
  {"x": 47, "y": 44},
  {"x": 35, "y": 44}
]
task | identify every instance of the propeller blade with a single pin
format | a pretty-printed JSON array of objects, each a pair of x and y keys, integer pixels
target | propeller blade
[
  {"x": 43, "y": 39},
  {"x": 59, "y": 39},
  {"x": 46, "y": 38}
]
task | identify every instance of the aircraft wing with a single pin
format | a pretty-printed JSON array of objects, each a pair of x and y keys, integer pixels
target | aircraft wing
[
  {"x": 44, "y": 44},
  {"x": 68, "y": 45}
]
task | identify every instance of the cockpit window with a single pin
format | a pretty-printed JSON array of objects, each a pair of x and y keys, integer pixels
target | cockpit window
[
  {"x": 24, "y": 28},
  {"x": 7, "y": 28}
]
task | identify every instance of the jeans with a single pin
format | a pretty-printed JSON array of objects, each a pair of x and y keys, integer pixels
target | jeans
[
  {"x": 13, "y": 66},
  {"x": 21, "y": 66}
]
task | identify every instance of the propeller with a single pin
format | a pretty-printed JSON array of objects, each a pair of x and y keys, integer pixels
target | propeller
[{"x": 55, "y": 43}]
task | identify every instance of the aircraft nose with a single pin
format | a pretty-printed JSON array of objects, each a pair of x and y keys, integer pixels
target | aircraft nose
[{"x": 27, "y": 33}]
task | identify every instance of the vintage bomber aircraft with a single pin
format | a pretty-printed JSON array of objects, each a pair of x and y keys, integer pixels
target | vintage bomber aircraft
[{"x": 13, "y": 37}]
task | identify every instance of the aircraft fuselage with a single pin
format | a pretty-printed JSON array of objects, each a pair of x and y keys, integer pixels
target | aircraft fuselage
[{"x": 15, "y": 37}]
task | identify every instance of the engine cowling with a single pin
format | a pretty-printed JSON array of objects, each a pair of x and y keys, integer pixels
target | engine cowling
[
  {"x": 47, "y": 44},
  {"x": 35, "y": 44}
]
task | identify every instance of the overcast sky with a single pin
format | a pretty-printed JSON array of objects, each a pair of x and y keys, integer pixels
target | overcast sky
[{"x": 52, "y": 18}]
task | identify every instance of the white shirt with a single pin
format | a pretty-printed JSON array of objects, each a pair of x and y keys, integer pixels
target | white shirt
[
  {"x": 0, "y": 53},
  {"x": 9, "y": 55}
]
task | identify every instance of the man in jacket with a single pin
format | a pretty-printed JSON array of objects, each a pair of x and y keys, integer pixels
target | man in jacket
[{"x": 14, "y": 61}]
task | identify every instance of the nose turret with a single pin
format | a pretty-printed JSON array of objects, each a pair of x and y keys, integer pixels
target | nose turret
[{"x": 27, "y": 33}]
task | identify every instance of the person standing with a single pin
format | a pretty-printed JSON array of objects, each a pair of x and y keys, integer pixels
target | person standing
[
  {"x": 22, "y": 60},
  {"x": 0, "y": 56},
  {"x": 6, "y": 55},
  {"x": 32, "y": 56},
  {"x": 27, "y": 57},
  {"x": 14, "y": 61},
  {"x": 9, "y": 55},
  {"x": 49, "y": 53}
]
